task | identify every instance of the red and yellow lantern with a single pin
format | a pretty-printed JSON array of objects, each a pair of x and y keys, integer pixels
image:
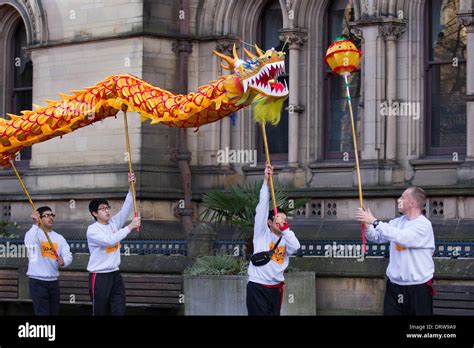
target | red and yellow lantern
[{"x": 343, "y": 57}]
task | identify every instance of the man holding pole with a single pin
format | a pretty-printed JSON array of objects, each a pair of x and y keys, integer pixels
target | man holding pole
[
  {"x": 46, "y": 253},
  {"x": 410, "y": 271},
  {"x": 106, "y": 286},
  {"x": 271, "y": 233}
]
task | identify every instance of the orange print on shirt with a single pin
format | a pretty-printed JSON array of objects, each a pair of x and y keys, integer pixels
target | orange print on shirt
[
  {"x": 398, "y": 247},
  {"x": 46, "y": 250},
  {"x": 279, "y": 253},
  {"x": 111, "y": 249}
]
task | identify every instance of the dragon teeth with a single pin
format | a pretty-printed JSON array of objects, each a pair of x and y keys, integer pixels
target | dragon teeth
[
  {"x": 278, "y": 68},
  {"x": 245, "y": 84}
]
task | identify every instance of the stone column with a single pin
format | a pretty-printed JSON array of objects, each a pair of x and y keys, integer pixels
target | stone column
[
  {"x": 466, "y": 17},
  {"x": 183, "y": 47},
  {"x": 296, "y": 38},
  {"x": 225, "y": 46},
  {"x": 371, "y": 95},
  {"x": 391, "y": 31}
]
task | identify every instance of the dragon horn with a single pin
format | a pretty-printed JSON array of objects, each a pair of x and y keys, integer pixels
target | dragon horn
[
  {"x": 250, "y": 54},
  {"x": 227, "y": 59},
  {"x": 259, "y": 51},
  {"x": 234, "y": 51}
]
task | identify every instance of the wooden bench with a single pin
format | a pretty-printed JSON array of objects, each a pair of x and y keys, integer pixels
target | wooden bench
[
  {"x": 142, "y": 290},
  {"x": 8, "y": 284},
  {"x": 453, "y": 300}
]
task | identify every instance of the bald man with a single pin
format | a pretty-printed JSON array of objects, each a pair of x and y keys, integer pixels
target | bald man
[{"x": 410, "y": 270}]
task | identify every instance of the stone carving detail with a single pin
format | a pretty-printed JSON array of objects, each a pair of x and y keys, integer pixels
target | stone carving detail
[
  {"x": 295, "y": 37},
  {"x": 391, "y": 31},
  {"x": 36, "y": 20}
]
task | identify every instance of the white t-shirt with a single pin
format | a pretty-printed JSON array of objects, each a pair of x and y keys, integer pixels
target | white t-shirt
[
  {"x": 411, "y": 248},
  {"x": 104, "y": 240},
  {"x": 264, "y": 240},
  {"x": 42, "y": 264}
]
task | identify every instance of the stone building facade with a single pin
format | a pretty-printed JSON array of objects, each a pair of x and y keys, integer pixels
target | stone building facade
[
  {"x": 74, "y": 44},
  {"x": 414, "y": 96}
]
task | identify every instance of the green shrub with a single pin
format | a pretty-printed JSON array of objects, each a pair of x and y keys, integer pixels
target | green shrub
[
  {"x": 4, "y": 233},
  {"x": 220, "y": 264},
  {"x": 236, "y": 206}
]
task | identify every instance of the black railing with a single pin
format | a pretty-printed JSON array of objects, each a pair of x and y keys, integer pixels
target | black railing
[
  {"x": 127, "y": 246},
  {"x": 352, "y": 248},
  {"x": 315, "y": 248}
]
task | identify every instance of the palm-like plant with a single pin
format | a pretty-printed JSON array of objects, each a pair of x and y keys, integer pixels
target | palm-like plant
[{"x": 236, "y": 206}]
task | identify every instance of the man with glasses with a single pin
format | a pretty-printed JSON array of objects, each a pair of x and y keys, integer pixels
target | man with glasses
[
  {"x": 106, "y": 287},
  {"x": 43, "y": 267}
]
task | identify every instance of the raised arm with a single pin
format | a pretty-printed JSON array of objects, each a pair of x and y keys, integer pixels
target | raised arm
[
  {"x": 261, "y": 212},
  {"x": 374, "y": 236},
  {"x": 98, "y": 237},
  {"x": 65, "y": 253},
  {"x": 414, "y": 236},
  {"x": 31, "y": 236},
  {"x": 32, "y": 242},
  {"x": 292, "y": 243},
  {"x": 102, "y": 239},
  {"x": 121, "y": 217}
]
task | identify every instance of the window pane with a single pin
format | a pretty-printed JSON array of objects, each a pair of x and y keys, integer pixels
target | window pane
[
  {"x": 22, "y": 96},
  {"x": 340, "y": 130},
  {"x": 448, "y": 37},
  {"x": 448, "y": 105},
  {"x": 340, "y": 14},
  {"x": 22, "y": 101},
  {"x": 272, "y": 22},
  {"x": 23, "y": 76}
]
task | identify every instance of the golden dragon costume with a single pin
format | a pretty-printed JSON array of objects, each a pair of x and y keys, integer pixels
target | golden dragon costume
[{"x": 253, "y": 81}]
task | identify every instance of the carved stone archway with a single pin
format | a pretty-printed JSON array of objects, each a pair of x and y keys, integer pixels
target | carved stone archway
[{"x": 33, "y": 16}]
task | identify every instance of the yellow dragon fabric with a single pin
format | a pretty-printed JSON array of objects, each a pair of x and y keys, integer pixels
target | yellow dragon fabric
[{"x": 253, "y": 81}]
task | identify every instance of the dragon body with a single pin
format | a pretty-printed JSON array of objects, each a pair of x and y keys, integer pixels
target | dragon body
[{"x": 252, "y": 81}]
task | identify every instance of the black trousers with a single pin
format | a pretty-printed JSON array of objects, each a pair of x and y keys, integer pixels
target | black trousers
[
  {"x": 45, "y": 296},
  {"x": 408, "y": 299},
  {"x": 107, "y": 293},
  {"x": 262, "y": 300}
]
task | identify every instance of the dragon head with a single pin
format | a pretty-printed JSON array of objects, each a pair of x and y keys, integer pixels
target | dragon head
[{"x": 259, "y": 73}]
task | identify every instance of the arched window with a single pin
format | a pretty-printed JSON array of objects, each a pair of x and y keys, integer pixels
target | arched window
[
  {"x": 446, "y": 43},
  {"x": 270, "y": 23},
  {"x": 21, "y": 82},
  {"x": 16, "y": 69},
  {"x": 337, "y": 124}
]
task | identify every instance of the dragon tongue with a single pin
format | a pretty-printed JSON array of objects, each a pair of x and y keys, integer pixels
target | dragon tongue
[{"x": 277, "y": 86}]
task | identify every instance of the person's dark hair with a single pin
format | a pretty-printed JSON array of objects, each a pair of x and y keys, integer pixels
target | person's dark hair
[
  {"x": 94, "y": 205},
  {"x": 271, "y": 213},
  {"x": 42, "y": 209}
]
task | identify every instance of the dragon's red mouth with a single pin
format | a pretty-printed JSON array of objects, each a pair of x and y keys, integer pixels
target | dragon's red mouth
[{"x": 266, "y": 80}]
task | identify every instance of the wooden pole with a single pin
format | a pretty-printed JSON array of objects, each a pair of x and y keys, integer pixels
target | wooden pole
[
  {"x": 267, "y": 153},
  {"x": 34, "y": 208},
  {"x": 356, "y": 152},
  {"x": 130, "y": 169}
]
